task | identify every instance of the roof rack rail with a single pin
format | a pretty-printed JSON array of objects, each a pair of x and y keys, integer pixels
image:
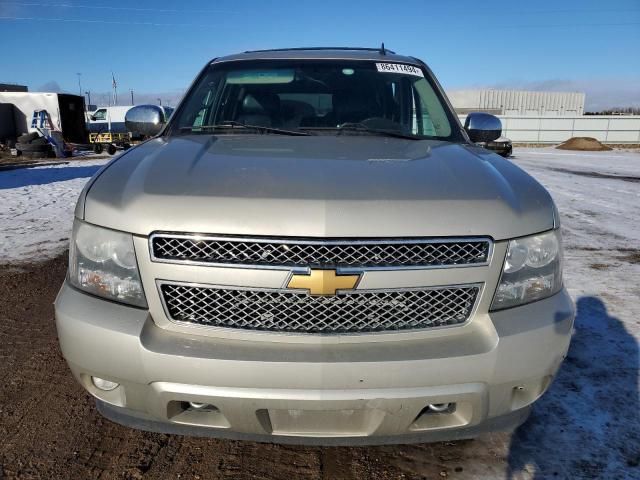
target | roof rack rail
[{"x": 382, "y": 50}]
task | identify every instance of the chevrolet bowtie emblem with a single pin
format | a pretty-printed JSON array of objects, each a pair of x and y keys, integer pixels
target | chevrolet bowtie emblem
[{"x": 323, "y": 282}]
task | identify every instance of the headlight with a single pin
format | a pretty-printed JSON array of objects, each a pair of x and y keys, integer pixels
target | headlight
[
  {"x": 103, "y": 262},
  {"x": 532, "y": 270}
]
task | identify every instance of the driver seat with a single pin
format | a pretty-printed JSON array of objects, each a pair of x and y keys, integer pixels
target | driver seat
[{"x": 262, "y": 109}]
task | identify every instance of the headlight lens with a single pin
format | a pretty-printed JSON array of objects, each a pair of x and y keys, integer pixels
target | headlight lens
[
  {"x": 103, "y": 262},
  {"x": 532, "y": 270}
]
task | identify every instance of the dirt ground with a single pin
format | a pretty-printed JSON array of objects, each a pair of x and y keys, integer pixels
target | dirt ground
[{"x": 49, "y": 427}]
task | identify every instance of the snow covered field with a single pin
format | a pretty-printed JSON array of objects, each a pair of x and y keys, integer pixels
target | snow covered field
[
  {"x": 588, "y": 424},
  {"x": 36, "y": 209}
]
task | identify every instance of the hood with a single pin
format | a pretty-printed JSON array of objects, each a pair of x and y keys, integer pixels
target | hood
[{"x": 316, "y": 186}]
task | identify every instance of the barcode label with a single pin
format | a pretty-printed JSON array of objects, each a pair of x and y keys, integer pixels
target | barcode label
[{"x": 400, "y": 68}]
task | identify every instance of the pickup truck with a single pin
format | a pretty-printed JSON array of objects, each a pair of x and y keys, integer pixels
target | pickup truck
[{"x": 314, "y": 250}]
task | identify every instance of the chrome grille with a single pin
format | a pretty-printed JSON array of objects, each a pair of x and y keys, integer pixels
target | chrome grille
[
  {"x": 319, "y": 254},
  {"x": 349, "y": 312}
]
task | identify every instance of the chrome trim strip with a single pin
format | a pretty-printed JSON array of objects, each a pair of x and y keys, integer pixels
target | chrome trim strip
[
  {"x": 307, "y": 241},
  {"x": 159, "y": 283}
]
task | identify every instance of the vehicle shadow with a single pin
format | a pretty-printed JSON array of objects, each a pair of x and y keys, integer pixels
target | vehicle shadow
[
  {"x": 588, "y": 424},
  {"x": 43, "y": 176}
]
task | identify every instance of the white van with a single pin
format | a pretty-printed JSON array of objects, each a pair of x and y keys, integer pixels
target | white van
[
  {"x": 108, "y": 119},
  {"x": 111, "y": 119}
]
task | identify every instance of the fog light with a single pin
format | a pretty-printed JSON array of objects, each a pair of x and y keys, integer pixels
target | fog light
[{"x": 105, "y": 385}]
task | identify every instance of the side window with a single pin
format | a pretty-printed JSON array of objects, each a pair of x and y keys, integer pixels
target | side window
[
  {"x": 430, "y": 117},
  {"x": 100, "y": 115},
  {"x": 198, "y": 121},
  {"x": 198, "y": 106},
  {"x": 421, "y": 123}
]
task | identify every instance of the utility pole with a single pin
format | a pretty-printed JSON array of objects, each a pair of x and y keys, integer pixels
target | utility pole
[
  {"x": 159, "y": 101},
  {"x": 88, "y": 94},
  {"x": 132, "y": 97},
  {"x": 114, "y": 85},
  {"x": 79, "y": 84}
]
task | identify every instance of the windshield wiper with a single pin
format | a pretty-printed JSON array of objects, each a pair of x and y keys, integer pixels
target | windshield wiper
[
  {"x": 361, "y": 127},
  {"x": 231, "y": 124}
]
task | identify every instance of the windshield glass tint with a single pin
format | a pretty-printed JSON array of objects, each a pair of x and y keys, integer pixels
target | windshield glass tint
[{"x": 317, "y": 96}]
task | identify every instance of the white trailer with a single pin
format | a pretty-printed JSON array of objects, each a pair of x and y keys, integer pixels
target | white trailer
[{"x": 65, "y": 111}]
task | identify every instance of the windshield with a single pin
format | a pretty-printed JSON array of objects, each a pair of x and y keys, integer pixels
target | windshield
[{"x": 318, "y": 97}]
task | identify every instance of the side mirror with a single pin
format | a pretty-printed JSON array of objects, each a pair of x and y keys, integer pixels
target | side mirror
[
  {"x": 483, "y": 127},
  {"x": 147, "y": 120},
  {"x": 93, "y": 118}
]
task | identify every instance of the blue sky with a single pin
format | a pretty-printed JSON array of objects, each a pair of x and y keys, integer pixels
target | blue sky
[{"x": 157, "y": 47}]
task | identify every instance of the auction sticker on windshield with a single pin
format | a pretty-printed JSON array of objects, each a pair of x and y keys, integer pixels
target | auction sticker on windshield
[{"x": 399, "y": 68}]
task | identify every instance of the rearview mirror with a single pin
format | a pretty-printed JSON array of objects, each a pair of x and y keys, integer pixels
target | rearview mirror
[
  {"x": 147, "y": 120},
  {"x": 483, "y": 127}
]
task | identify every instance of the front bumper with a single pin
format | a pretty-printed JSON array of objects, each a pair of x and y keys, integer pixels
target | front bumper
[{"x": 322, "y": 393}]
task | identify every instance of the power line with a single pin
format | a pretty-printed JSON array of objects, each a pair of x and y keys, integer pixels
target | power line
[
  {"x": 108, "y": 7},
  {"x": 562, "y": 25},
  {"x": 177, "y": 10},
  {"x": 156, "y": 24},
  {"x": 572, "y": 10},
  {"x": 110, "y": 22}
]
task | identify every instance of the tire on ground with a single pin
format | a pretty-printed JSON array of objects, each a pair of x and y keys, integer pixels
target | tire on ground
[
  {"x": 29, "y": 147},
  {"x": 28, "y": 137},
  {"x": 111, "y": 149},
  {"x": 34, "y": 155},
  {"x": 39, "y": 141}
]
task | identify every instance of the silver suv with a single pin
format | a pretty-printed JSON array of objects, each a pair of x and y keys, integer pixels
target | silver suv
[{"x": 314, "y": 250}]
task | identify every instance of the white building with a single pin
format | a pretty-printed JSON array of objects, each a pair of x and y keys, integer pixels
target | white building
[{"x": 518, "y": 102}]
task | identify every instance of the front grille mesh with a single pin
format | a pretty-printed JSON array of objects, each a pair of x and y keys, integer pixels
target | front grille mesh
[
  {"x": 325, "y": 254},
  {"x": 282, "y": 311}
]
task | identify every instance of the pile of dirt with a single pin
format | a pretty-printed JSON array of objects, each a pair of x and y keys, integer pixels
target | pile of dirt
[{"x": 584, "y": 144}]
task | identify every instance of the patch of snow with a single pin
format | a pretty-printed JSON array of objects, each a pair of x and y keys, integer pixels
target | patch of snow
[
  {"x": 588, "y": 424},
  {"x": 36, "y": 209}
]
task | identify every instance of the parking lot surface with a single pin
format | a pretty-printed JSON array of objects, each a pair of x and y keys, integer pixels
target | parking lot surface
[{"x": 586, "y": 426}]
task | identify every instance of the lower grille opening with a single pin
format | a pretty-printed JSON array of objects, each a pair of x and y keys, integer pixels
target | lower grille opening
[
  {"x": 352, "y": 312},
  {"x": 443, "y": 415},
  {"x": 196, "y": 413},
  {"x": 438, "y": 409}
]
